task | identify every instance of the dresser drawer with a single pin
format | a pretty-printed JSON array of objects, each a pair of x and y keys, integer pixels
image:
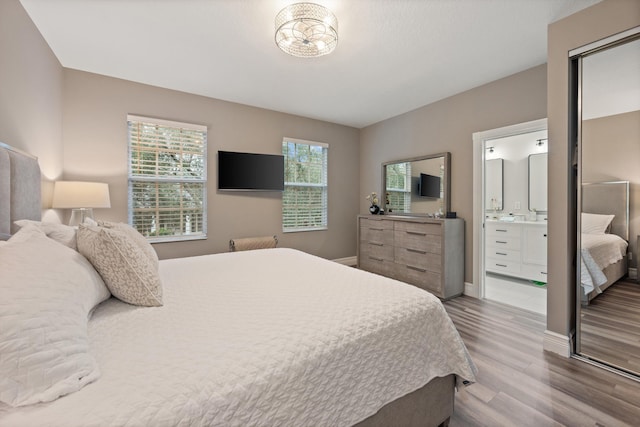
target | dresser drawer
[
  {"x": 420, "y": 259},
  {"x": 421, "y": 237},
  {"x": 376, "y": 235},
  {"x": 503, "y": 254},
  {"x": 382, "y": 267},
  {"x": 421, "y": 278},
  {"x": 535, "y": 272},
  {"x": 502, "y": 266},
  {"x": 376, "y": 224},
  {"x": 500, "y": 242},
  {"x": 503, "y": 229},
  {"x": 376, "y": 251}
]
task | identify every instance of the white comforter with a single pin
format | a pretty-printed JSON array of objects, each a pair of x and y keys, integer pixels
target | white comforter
[
  {"x": 599, "y": 251},
  {"x": 259, "y": 338}
]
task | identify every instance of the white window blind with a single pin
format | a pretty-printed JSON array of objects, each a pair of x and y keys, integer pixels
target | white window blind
[
  {"x": 399, "y": 187},
  {"x": 167, "y": 179},
  {"x": 304, "y": 201}
]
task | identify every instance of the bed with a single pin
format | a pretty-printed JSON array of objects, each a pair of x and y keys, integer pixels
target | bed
[
  {"x": 292, "y": 340},
  {"x": 604, "y": 237}
]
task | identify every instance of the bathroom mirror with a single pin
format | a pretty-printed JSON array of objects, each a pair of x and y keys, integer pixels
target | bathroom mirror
[
  {"x": 538, "y": 182},
  {"x": 417, "y": 186},
  {"x": 494, "y": 184}
]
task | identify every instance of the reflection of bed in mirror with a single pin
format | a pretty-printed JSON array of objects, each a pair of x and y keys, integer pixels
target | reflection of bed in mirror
[{"x": 604, "y": 237}]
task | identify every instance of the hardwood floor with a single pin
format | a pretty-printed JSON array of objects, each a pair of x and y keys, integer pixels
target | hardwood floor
[
  {"x": 518, "y": 384},
  {"x": 611, "y": 326}
]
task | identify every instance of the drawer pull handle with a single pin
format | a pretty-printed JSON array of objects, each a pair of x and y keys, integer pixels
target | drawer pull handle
[
  {"x": 416, "y": 251},
  {"x": 543, "y": 272},
  {"x": 500, "y": 230},
  {"x": 500, "y": 241},
  {"x": 501, "y": 253},
  {"x": 501, "y": 265},
  {"x": 376, "y": 244},
  {"x": 376, "y": 259},
  {"x": 377, "y": 229},
  {"x": 421, "y": 270},
  {"x": 416, "y": 233}
]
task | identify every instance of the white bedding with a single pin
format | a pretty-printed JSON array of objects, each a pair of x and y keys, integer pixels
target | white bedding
[
  {"x": 259, "y": 338},
  {"x": 599, "y": 251}
]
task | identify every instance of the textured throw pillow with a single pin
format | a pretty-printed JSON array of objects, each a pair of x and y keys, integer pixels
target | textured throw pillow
[
  {"x": 127, "y": 270},
  {"x": 135, "y": 235},
  {"x": 596, "y": 223},
  {"x": 47, "y": 291},
  {"x": 64, "y": 234}
]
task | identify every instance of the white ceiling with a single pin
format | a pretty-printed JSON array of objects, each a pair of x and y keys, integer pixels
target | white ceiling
[{"x": 393, "y": 55}]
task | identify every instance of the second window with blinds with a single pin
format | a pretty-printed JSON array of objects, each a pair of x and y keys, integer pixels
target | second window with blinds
[{"x": 304, "y": 201}]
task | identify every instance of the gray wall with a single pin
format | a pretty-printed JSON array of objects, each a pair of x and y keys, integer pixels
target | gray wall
[
  {"x": 448, "y": 125},
  {"x": 95, "y": 148},
  {"x": 589, "y": 25},
  {"x": 30, "y": 92}
]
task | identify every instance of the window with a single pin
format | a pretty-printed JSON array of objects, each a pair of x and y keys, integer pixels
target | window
[
  {"x": 399, "y": 187},
  {"x": 304, "y": 201},
  {"x": 167, "y": 179}
]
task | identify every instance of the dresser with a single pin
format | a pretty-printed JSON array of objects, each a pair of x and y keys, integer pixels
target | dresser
[
  {"x": 517, "y": 249},
  {"x": 425, "y": 252}
]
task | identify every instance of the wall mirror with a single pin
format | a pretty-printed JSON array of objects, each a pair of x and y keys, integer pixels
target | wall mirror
[
  {"x": 417, "y": 186},
  {"x": 606, "y": 110},
  {"x": 494, "y": 184},
  {"x": 538, "y": 182}
]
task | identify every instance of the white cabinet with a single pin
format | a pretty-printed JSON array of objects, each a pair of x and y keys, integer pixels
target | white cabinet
[{"x": 517, "y": 249}]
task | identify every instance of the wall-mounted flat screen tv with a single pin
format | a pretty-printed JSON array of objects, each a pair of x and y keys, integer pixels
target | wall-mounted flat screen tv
[
  {"x": 250, "y": 172},
  {"x": 429, "y": 186}
]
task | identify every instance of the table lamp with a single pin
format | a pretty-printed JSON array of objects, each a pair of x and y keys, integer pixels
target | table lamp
[{"x": 81, "y": 198}]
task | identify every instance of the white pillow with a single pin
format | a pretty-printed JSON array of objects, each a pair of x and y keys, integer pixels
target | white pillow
[
  {"x": 596, "y": 223},
  {"x": 47, "y": 291},
  {"x": 130, "y": 274},
  {"x": 62, "y": 233}
]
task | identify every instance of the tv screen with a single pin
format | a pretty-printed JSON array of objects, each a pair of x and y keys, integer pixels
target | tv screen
[
  {"x": 250, "y": 172},
  {"x": 429, "y": 186}
]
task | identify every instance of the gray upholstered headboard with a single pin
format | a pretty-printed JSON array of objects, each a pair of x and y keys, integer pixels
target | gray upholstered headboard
[
  {"x": 20, "y": 182},
  {"x": 609, "y": 198}
]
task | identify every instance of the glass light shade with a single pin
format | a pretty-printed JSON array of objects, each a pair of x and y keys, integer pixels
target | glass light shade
[{"x": 306, "y": 30}]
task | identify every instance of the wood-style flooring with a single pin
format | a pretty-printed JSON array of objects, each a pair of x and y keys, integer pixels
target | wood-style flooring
[
  {"x": 518, "y": 384},
  {"x": 611, "y": 326}
]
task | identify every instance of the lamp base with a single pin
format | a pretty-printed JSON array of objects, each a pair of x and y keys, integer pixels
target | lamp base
[{"x": 78, "y": 215}]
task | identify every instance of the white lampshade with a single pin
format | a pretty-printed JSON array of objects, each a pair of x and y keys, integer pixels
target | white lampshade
[
  {"x": 77, "y": 194},
  {"x": 81, "y": 197}
]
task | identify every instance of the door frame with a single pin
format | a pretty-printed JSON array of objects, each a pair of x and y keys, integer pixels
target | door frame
[{"x": 479, "y": 156}]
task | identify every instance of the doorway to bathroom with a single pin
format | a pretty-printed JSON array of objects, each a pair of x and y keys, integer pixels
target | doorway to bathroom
[{"x": 511, "y": 214}]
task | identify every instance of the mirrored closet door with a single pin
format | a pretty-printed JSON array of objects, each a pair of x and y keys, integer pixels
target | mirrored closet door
[{"x": 607, "y": 110}]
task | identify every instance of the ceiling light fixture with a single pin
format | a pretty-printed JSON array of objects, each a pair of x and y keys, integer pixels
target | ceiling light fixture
[{"x": 306, "y": 30}]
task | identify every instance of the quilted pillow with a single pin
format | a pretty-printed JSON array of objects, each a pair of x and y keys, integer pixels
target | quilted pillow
[
  {"x": 64, "y": 234},
  {"x": 47, "y": 291},
  {"x": 596, "y": 223},
  {"x": 130, "y": 274}
]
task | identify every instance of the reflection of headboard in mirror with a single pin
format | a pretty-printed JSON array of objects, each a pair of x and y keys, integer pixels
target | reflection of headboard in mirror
[
  {"x": 19, "y": 189},
  {"x": 400, "y": 180},
  {"x": 609, "y": 198}
]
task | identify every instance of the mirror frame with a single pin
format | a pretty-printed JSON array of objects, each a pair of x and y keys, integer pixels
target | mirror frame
[{"x": 446, "y": 184}]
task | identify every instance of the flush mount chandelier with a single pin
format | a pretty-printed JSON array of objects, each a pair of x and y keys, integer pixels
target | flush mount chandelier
[{"x": 306, "y": 30}]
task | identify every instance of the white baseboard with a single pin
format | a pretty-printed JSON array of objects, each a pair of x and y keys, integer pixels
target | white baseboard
[
  {"x": 471, "y": 290},
  {"x": 633, "y": 273},
  {"x": 557, "y": 343},
  {"x": 350, "y": 261}
]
